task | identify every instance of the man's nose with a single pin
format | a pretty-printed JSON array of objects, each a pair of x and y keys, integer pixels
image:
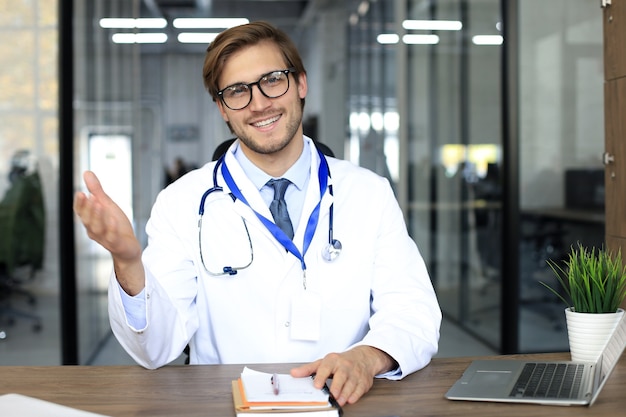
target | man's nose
[{"x": 259, "y": 100}]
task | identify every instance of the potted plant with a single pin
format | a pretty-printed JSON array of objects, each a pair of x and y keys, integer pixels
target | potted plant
[{"x": 593, "y": 282}]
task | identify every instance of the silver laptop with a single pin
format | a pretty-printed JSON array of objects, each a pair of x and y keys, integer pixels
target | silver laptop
[{"x": 519, "y": 381}]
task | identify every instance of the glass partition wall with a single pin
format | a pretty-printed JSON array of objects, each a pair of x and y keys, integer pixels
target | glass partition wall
[
  {"x": 454, "y": 146},
  {"x": 561, "y": 133},
  {"x": 426, "y": 96},
  {"x": 425, "y": 108},
  {"x": 106, "y": 131},
  {"x": 29, "y": 172},
  {"x": 438, "y": 91}
]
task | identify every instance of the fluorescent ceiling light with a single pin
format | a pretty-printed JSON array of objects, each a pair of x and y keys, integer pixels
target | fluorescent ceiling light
[
  {"x": 387, "y": 38},
  {"x": 190, "y": 37},
  {"x": 487, "y": 40},
  {"x": 432, "y": 25},
  {"x": 139, "y": 37},
  {"x": 208, "y": 23},
  {"x": 128, "y": 23},
  {"x": 412, "y": 39}
]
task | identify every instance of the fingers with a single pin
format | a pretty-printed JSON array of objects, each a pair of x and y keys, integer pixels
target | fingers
[
  {"x": 87, "y": 207},
  {"x": 305, "y": 370},
  {"x": 84, "y": 205},
  {"x": 351, "y": 376},
  {"x": 104, "y": 221},
  {"x": 107, "y": 224},
  {"x": 90, "y": 212}
]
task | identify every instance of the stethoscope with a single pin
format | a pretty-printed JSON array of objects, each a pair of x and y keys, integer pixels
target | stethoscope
[{"x": 331, "y": 250}]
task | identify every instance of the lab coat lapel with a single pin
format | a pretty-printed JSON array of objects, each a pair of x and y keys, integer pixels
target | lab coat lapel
[
  {"x": 312, "y": 197},
  {"x": 252, "y": 195},
  {"x": 254, "y": 199},
  {"x": 248, "y": 189}
]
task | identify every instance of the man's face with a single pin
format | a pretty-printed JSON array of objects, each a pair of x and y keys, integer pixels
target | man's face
[{"x": 266, "y": 125}]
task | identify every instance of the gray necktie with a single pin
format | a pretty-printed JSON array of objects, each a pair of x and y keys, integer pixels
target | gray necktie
[{"x": 278, "y": 207}]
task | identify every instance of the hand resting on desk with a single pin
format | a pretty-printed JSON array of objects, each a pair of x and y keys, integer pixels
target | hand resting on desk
[{"x": 352, "y": 372}]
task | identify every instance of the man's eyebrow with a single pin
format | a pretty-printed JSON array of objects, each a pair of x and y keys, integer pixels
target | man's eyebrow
[{"x": 257, "y": 79}]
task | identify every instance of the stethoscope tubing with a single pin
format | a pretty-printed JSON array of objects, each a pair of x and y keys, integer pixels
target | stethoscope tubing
[{"x": 332, "y": 249}]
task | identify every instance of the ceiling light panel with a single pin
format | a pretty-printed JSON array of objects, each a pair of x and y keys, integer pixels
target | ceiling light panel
[
  {"x": 130, "y": 23},
  {"x": 208, "y": 23}
]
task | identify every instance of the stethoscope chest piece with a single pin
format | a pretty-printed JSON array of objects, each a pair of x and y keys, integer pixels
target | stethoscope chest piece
[{"x": 332, "y": 251}]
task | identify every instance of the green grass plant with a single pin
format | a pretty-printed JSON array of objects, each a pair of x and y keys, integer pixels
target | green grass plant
[{"x": 593, "y": 279}]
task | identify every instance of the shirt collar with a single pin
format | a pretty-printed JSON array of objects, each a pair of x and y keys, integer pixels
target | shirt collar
[{"x": 298, "y": 173}]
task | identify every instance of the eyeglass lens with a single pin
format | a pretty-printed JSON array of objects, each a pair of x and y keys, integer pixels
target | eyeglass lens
[{"x": 272, "y": 85}]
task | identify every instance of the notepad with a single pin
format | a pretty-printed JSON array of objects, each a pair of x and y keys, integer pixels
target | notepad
[{"x": 254, "y": 393}]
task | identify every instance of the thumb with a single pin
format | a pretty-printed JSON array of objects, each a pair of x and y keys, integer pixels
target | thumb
[{"x": 93, "y": 184}]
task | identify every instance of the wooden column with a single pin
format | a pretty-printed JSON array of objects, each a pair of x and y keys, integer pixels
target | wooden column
[{"x": 614, "y": 27}]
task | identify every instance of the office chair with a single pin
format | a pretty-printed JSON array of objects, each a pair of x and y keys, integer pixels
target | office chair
[{"x": 22, "y": 232}]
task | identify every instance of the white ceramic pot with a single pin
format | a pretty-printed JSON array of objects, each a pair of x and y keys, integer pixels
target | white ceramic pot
[{"x": 588, "y": 333}]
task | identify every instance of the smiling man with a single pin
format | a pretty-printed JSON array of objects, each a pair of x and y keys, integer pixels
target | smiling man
[
  {"x": 296, "y": 257},
  {"x": 268, "y": 118}
]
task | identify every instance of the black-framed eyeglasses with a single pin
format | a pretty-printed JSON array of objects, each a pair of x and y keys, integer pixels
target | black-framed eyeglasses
[{"x": 273, "y": 85}]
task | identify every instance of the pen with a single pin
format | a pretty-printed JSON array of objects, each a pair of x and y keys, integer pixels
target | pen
[
  {"x": 275, "y": 387},
  {"x": 331, "y": 398}
]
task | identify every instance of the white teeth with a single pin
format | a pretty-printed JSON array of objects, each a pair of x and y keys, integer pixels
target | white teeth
[{"x": 266, "y": 122}]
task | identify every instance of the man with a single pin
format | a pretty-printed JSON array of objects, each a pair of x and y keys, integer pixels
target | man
[{"x": 238, "y": 289}]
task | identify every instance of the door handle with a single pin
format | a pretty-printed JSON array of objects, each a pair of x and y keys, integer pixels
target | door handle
[{"x": 607, "y": 158}]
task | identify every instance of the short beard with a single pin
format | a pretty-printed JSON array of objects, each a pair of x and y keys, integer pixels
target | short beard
[{"x": 265, "y": 149}]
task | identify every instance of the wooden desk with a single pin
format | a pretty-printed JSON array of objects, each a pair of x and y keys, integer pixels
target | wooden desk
[{"x": 205, "y": 391}]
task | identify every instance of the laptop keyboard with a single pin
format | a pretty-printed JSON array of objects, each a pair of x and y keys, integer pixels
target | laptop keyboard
[{"x": 548, "y": 380}]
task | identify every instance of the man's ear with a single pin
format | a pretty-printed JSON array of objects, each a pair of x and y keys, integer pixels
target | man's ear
[{"x": 302, "y": 85}]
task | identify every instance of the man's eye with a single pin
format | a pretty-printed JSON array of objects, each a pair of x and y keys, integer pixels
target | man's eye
[
  {"x": 273, "y": 78},
  {"x": 236, "y": 90}
]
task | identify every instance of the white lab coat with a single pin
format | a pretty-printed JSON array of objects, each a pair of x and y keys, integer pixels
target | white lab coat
[{"x": 377, "y": 292}]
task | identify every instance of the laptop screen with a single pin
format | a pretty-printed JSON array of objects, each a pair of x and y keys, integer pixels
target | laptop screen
[{"x": 611, "y": 354}]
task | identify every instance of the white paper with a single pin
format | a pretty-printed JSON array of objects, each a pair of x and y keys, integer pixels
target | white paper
[
  {"x": 258, "y": 388},
  {"x": 321, "y": 413},
  {"x": 17, "y": 405}
]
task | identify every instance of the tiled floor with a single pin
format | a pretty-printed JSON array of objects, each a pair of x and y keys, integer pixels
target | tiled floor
[{"x": 23, "y": 346}]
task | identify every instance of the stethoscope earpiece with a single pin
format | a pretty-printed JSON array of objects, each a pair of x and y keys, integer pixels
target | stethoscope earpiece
[{"x": 332, "y": 251}]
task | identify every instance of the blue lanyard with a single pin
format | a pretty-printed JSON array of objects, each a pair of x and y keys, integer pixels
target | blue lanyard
[{"x": 280, "y": 236}]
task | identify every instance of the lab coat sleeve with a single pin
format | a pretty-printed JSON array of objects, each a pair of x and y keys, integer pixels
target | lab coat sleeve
[
  {"x": 406, "y": 316},
  {"x": 151, "y": 346},
  {"x": 169, "y": 297}
]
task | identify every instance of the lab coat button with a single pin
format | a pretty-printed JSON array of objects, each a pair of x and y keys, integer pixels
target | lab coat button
[{"x": 287, "y": 324}]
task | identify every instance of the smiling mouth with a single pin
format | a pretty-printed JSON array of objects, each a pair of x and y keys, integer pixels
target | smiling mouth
[{"x": 266, "y": 122}]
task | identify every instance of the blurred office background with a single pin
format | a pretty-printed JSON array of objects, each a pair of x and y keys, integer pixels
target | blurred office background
[{"x": 486, "y": 116}]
